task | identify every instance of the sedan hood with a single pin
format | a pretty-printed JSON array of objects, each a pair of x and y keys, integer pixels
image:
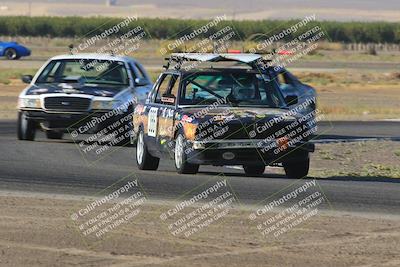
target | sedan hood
[{"x": 95, "y": 90}]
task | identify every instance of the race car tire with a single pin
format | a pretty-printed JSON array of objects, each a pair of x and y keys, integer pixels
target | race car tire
[
  {"x": 297, "y": 170},
  {"x": 180, "y": 157},
  {"x": 26, "y": 127},
  {"x": 144, "y": 160},
  {"x": 11, "y": 54},
  {"x": 254, "y": 170},
  {"x": 54, "y": 135}
]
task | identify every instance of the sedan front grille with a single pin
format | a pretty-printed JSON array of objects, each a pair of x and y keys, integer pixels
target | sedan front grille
[{"x": 67, "y": 103}]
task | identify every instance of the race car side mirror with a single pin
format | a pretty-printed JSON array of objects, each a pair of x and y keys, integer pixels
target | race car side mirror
[
  {"x": 27, "y": 78},
  {"x": 291, "y": 100},
  {"x": 141, "y": 82}
]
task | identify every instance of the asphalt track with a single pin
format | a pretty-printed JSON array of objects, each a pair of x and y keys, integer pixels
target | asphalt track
[{"x": 57, "y": 167}]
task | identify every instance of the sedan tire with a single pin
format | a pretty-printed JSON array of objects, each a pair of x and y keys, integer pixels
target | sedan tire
[{"x": 26, "y": 127}]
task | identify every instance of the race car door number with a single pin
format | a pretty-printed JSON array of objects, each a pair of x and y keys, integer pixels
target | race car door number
[{"x": 152, "y": 122}]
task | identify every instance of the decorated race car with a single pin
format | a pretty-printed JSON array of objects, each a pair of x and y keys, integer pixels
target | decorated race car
[
  {"x": 13, "y": 50},
  {"x": 231, "y": 113},
  {"x": 70, "y": 91}
]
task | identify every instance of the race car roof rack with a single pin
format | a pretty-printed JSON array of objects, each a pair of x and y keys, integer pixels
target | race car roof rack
[{"x": 253, "y": 60}]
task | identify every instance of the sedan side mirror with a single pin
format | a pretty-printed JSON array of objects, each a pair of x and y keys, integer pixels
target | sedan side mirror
[
  {"x": 291, "y": 100},
  {"x": 27, "y": 78},
  {"x": 141, "y": 82}
]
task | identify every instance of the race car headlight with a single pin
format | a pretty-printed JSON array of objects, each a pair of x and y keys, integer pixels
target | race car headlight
[
  {"x": 105, "y": 104},
  {"x": 29, "y": 103},
  {"x": 190, "y": 130}
]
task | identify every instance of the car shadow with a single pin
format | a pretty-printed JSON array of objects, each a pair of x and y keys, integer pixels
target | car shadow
[
  {"x": 85, "y": 143},
  {"x": 241, "y": 174},
  {"x": 380, "y": 178}
]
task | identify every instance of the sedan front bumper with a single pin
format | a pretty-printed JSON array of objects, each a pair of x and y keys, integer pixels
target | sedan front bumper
[{"x": 63, "y": 121}]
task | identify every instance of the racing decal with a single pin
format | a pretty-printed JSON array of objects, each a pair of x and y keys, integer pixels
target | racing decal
[
  {"x": 152, "y": 122},
  {"x": 186, "y": 118}
]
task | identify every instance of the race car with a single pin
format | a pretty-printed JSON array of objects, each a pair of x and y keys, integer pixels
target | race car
[
  {"x": 70, "y": 91},
  {"x": 220, "y": 115},
  {"x": 13, "y": 50}
]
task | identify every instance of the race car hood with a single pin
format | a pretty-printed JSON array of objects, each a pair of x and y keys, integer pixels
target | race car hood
[
  {"x": 87, "y": 89},
  {"x": 238, "y": 122},
  {"x": 243, "y": 114}
]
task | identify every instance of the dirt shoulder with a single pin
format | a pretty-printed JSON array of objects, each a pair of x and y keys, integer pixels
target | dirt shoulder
[
  {"x": 38, "y": 231},
  {"x": 364, "y": 160}
]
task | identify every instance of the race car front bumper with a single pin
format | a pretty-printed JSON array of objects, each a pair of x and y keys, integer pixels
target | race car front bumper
[{"x": 245, "y": 152}]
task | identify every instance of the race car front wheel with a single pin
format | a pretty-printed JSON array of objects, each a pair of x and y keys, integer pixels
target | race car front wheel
[
  {"x": 254, "y": 170},
  {"x": 297, "y": 170},
  {"x": 144, "y": 160},
  {"x": 181, "y": 164},
  {"x": 26, "y": 127}
]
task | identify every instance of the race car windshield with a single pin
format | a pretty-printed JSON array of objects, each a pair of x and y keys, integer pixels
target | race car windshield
[
  {"x": 238, "y": 89},
  {"x": 93, "y": 71}
]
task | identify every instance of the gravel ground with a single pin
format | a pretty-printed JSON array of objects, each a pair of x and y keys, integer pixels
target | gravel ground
[{"x": 36, "y": 230}]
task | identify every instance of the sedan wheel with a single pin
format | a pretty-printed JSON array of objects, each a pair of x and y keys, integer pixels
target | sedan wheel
[{"x": 26, "y": 127}]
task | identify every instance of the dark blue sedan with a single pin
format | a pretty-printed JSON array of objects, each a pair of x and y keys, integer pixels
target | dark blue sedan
[{"x": 13, "y": 50}]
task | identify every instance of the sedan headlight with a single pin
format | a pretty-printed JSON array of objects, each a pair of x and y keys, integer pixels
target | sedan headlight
[
  {"x": 29, "y": 103},
  {"x": 105, "y": 104}
]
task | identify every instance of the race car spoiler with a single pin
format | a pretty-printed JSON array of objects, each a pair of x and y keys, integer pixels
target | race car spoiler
[{"x": 246, "y": 58}]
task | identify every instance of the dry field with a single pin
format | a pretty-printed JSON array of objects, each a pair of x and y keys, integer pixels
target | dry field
[
  {"x": 356, "y": 95},
  {"x": 326, "y": 239},
  {"x": 338, "y": 100},
  {"x": 344, "y": 93},
  {"x": 235, "y": 9}
]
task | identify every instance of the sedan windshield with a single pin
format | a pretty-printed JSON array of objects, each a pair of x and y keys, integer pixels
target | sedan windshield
[
  {"x": 239, "y": 89},
  {"x": 87, "y": 71}
]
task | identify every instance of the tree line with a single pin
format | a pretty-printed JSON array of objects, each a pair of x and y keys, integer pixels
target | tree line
[{"x": 85, "y": 27}]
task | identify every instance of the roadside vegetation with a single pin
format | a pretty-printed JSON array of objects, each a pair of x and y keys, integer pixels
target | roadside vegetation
[{"x": 347, "y": 32}]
